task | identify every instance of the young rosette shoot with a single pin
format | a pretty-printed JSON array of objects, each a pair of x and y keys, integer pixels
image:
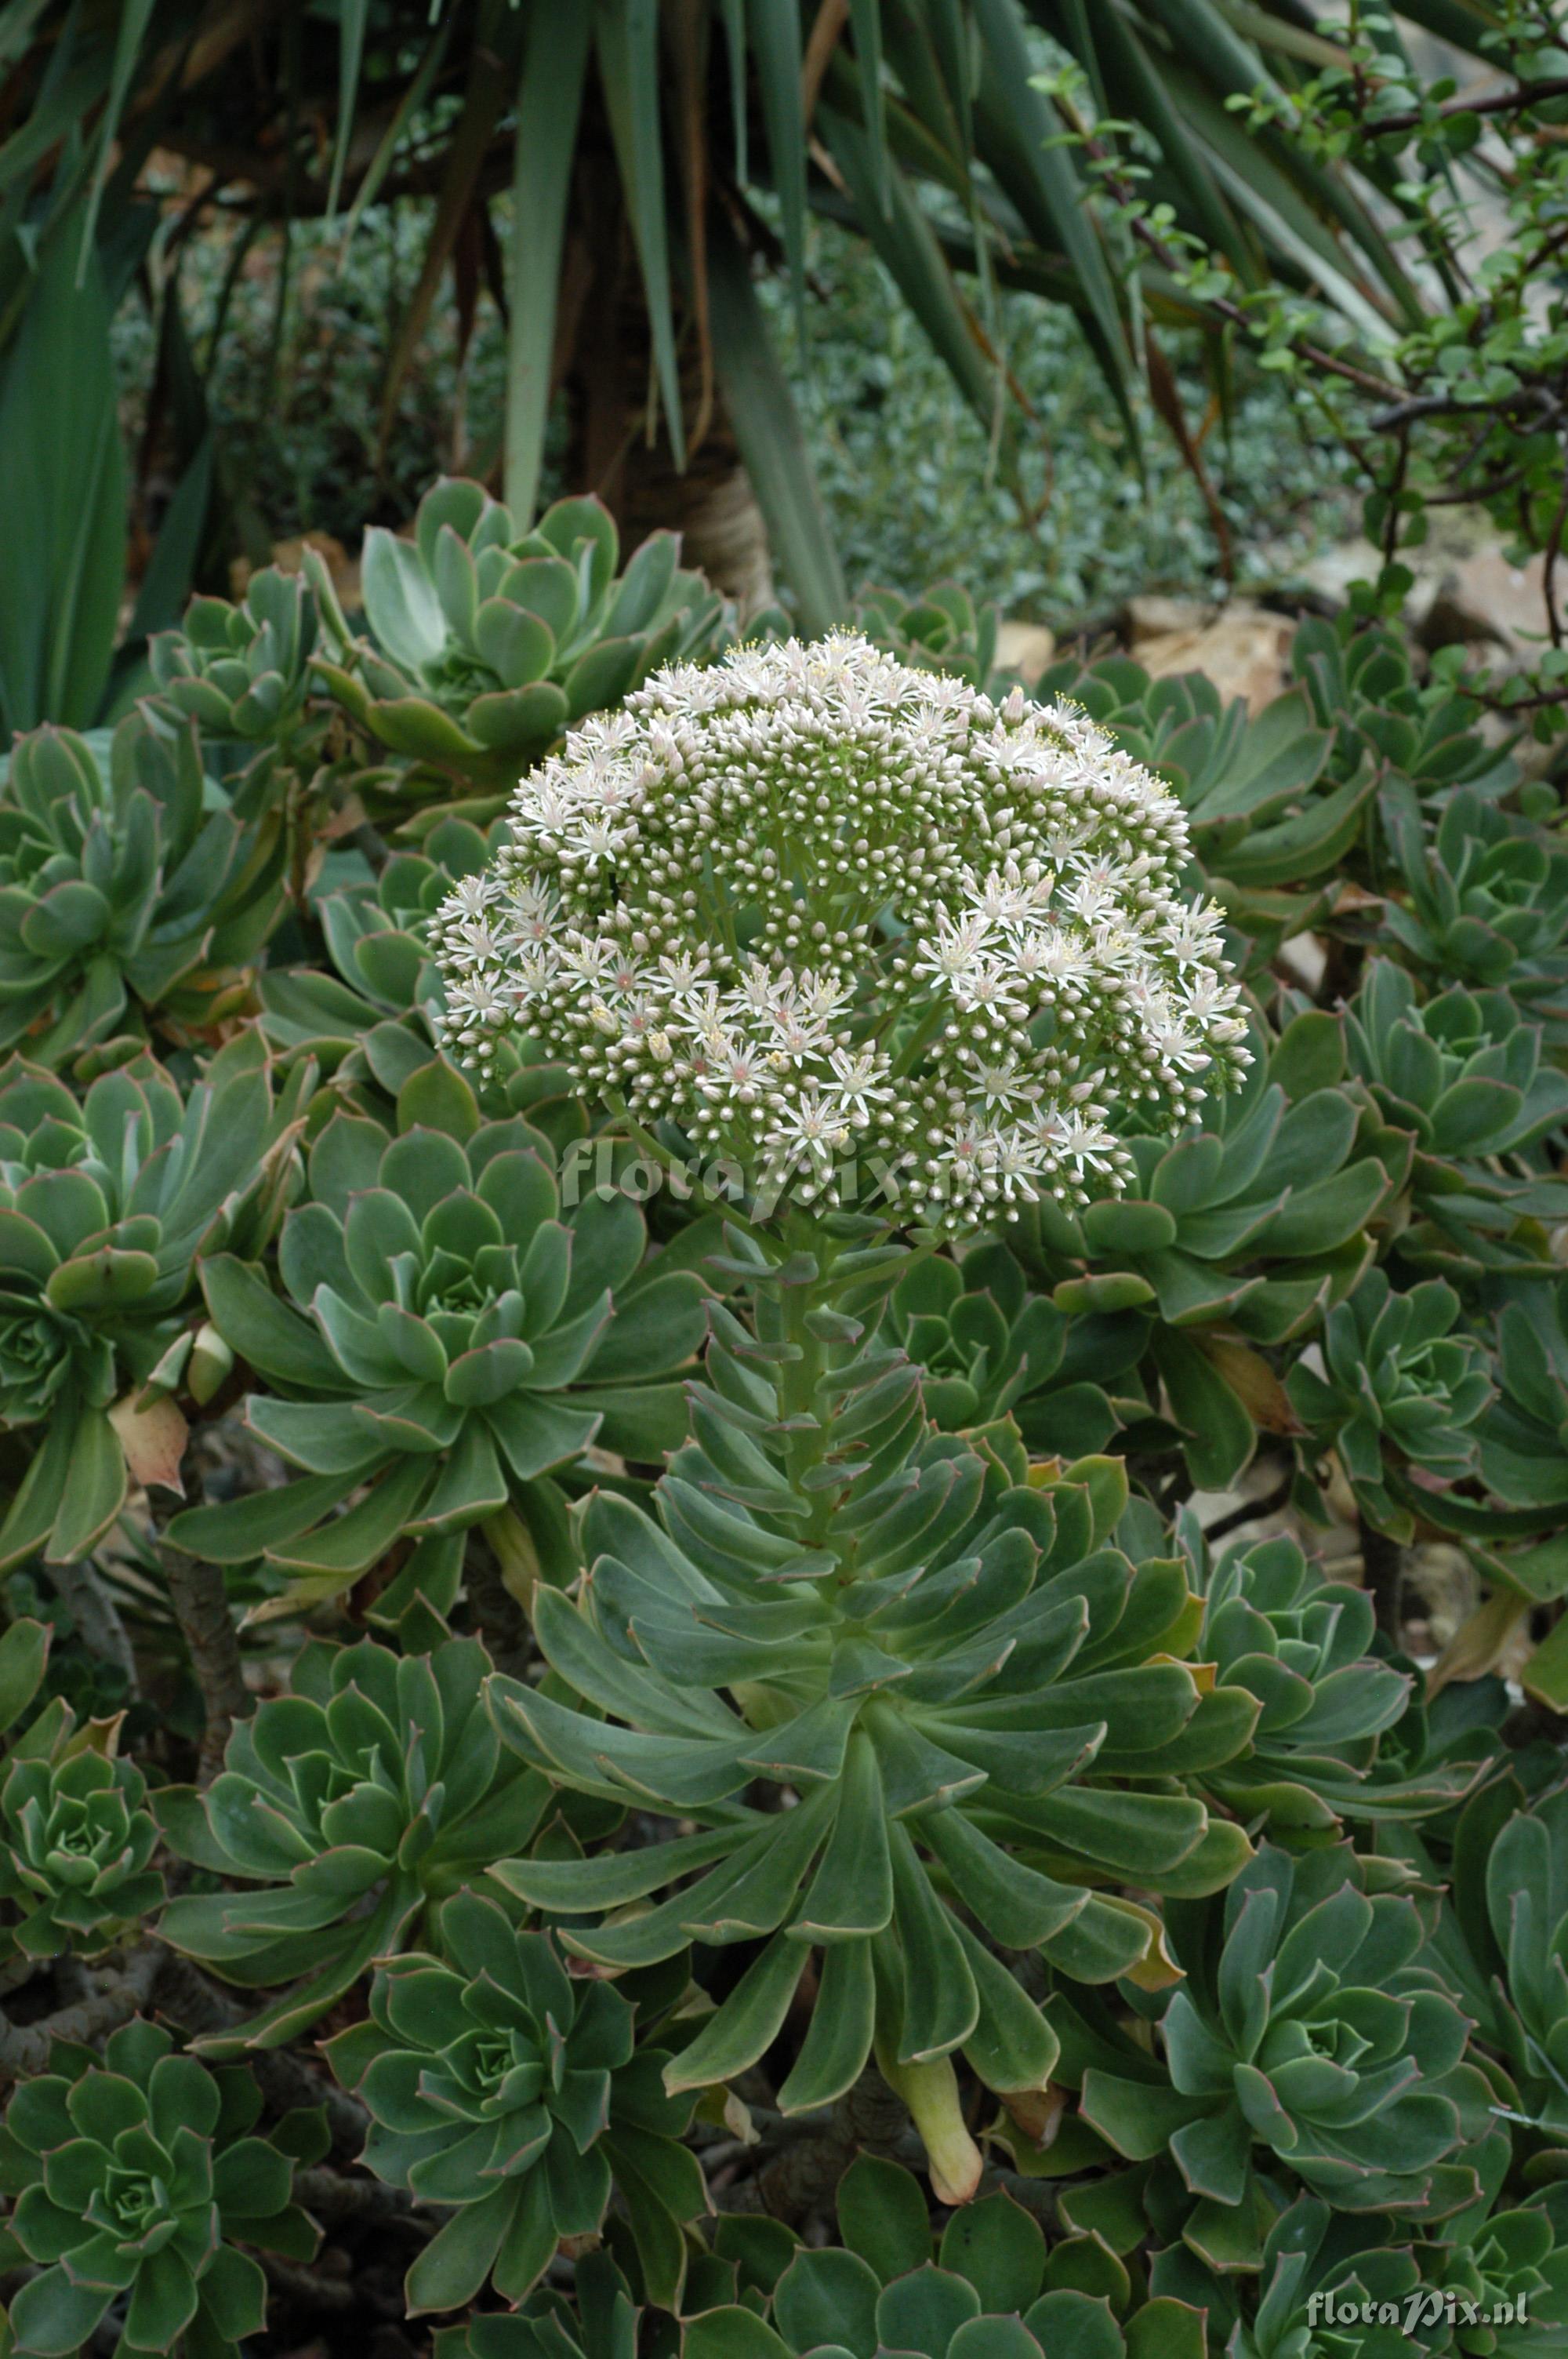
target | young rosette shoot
[
  {"x": 986, "y": 2289},
  {"x": 132, "y": 2182},
  {"x": 974, "y": 1696},
  {"x": 105, "y": 1203},
  {"x": 373, "y": 1790},
  {"x": 813, "y": 906},
  {"x": 116, "y": 888},
  {"x": 453, "y": 1335},
  {"x": 515, "y": 2093},
  {"x": 1307, "y": 2037}
]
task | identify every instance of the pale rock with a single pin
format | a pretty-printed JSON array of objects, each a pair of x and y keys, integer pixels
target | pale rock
[
  {"x": 1024, "y": 648},
  {"x": 1243, "y": 649}
]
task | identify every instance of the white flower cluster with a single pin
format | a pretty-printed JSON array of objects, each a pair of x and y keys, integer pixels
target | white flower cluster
[{"x": 812, "y": 906}]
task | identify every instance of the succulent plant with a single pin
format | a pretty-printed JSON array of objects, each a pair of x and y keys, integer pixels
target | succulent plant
[
  {"x": 76, "y": 1839},
  {"x": 1253, "y": 1223},
  {"x": 240, "y": 669},
  {"x": 124, "y": 892},
  {"x": 1266, "y": 812},
  {"x": 1398, "y": 1389},
  {"x": 1488, "y": 905},
  {"x": 988, "y": 1348},
  {"x": 1524, "y": 1430},
  {"x": 1308, "y": 2032},
  {"x": 134, "y": 2180},
  {"x": 1389, "y": 722},
  {"x": 373, "y": 1790},
  {"x": 600, "y": 2322},
  {"x": 940, "y": 630},
  {"x": 1525, "y": 1901},
  {"x": 498, "y": 2084},
  {"x": 946, "y": 1661},
  {"x": 451, "y": 1338},
  {"x": 1466, "y": 1079},
  {"x": 1505, "y": 2287},
  {"x": 1303, "y": 1645},
  {"x": 105, "y": 1204},
  {"x": 1312, "y": 2250},
  {"x": 485, "y": 643},
  {"x": 989, "y": 2290},
  {"x": 374, "y": 937}
]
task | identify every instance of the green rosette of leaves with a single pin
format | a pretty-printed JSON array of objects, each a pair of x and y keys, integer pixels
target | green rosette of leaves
[
  {"x": 988, "y": 1347},
  {"x": 452, "y": 1333},
  {"x": 140, "y": 889},
  {"x": 1309, "y": 2249},
  {"x": 105, "y": 1204},
  {"x": 1400, "y": 1394},
  {"x": 986, "y": 2289},
  {"x": 1487, "y": 903},
  {"x": 1269, "y": 808},
  {"x": 1241, "y": 1232},
  {"x": 373, "y": 1790},
  {"x": 134, "y": 2180},
  {"x": 483, "y": 643},
  {"x": 941, "y": 1653},
  {"x": 1468, "y": 1082},
  {"x": 939, "y": 629},
  {"x": 598, "y": 2322},
  {"x": 76, "y": 1840},
  {"x": 241, "y": 669},
  {"x": 383, "y": 970},
  {"x": 502, "y": 2086},
  {"x": 369, "y": 1021},
  {"x": 1304, "y": 1645},
  {"x": 1307, "y": 2041},
  {"x": 1512, "y": 1887},
  {"x": 1515, "y": 2262},
  {"x": 1416, "y": 737}
]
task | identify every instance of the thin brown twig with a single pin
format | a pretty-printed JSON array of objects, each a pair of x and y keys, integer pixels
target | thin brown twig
[{"x": 1502, "y": 102}]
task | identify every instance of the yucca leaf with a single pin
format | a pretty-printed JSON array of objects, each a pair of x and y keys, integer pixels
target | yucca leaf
[
  {"x": 775, "y": 39},
  {"x": 63, "y": 494},
  {"x": 549, "y": 102},
  {"x": 627, "y": 39},
  {"x": 352, "y": 19},
  {"x": 767, "y": 429}
]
